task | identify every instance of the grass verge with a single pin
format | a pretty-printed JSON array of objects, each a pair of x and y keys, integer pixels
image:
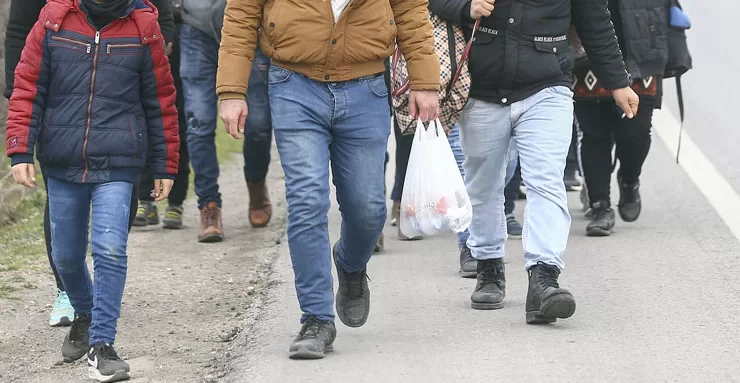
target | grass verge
[{"x": 22, "y": 246}]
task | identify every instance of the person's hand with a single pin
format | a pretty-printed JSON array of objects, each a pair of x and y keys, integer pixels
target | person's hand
[
  {"x": 424, "y": 104},
  {"x": 234, "y": 115},
  {"x": 24, "y": 174},
  {"x": 481, "y": 8},
  {"x": 627, "y": 100},
  {"x": 168, "y": 48},
  {"x": 162, "y": 189}
]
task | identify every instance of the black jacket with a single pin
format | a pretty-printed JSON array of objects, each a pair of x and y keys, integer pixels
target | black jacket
[
  {"x": 24, "y": 14},
  {"x": 522, "y": 48},
  {"x": 642, "y": 27}
]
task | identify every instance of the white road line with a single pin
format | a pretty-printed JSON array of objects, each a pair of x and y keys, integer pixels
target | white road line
[{"x": 702, "y": 172}]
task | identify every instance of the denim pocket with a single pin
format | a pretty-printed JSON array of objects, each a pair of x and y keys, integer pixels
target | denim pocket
[
  {"x": 278, "y": 75},
  {"x": 377, "y": 86}
]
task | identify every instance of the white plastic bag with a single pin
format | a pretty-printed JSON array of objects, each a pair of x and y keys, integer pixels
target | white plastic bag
[{"x": 434, "y": 197}]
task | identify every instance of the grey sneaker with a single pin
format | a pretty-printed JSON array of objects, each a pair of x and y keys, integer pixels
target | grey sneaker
[
  {"x": 513, "y": 228},
  {"x": 104, "y": 364},
  {"x": 76, "y": 342},
  {"x": 468, "y": 264},
  {"x": 353, "y": 295},
  {"x": 315, "y": 339},
  {"x": 173, "y": 217},
  {"x": 146, "y": 214}
]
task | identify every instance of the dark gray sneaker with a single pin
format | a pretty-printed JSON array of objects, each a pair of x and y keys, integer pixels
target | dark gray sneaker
[
  {"x": 353, "y": 295},
  {"x": 468, "y": 264},
  {"x": 104, "y": 364},
  {"x": 490, "y": 289},
  {"x": 630, "y": 203},
  {"x": 513, "y": 227},
  {"x": 602, "y": 220},
  {"x": 75, "y": 344},
  {"x": 315, "y": 339}
]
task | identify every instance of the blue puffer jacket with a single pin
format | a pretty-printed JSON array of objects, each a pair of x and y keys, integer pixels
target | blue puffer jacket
[{"x": 94, "y": 105}]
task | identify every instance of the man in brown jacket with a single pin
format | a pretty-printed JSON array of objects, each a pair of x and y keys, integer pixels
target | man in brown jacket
[{"x": 329, "y": 104}]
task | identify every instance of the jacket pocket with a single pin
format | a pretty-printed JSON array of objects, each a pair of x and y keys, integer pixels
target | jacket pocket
[
  {"x": 134, "y": 136},
  {"x": 123, "y": 49},
  {"x": 70, "y": 43},
  {"x": 539, "y": 64},
  {"x": 273, "y": 25}
]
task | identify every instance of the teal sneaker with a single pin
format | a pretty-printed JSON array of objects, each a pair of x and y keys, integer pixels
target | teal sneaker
[{"x": 63, "y": 313}]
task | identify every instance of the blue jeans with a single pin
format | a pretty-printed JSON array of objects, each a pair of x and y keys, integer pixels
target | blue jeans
[
  {"x": 454, "y": 139},
  {"x": 541, "y": 128},
  {"x": 347, "y": 124},
  {"x": 69, "y": 212},
  {"x": 198, "y": 66}
]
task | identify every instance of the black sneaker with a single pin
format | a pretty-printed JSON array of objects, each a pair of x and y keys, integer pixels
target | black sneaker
[
  {"x": 630, "y": 203},
  {"x": 490, "y": 289},
  {"x": 572, "y": 183},
  {"x": 105, "y": 365},
  {"x": 546, "y": 300},
  {"x": 468, "y": 264},
  {"x": 315, "y": 339},
  {"x": 602, "y": 220},
  {"x": 513, "y": 227},
  {"x": 76, "y": 342},
  {"x": 353, "y": 295}
]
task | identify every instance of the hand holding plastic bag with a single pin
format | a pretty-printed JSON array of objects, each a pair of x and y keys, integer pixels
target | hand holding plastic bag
[{"x": 434, "y": 197}]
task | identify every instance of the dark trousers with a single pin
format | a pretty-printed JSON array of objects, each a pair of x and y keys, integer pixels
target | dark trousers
[
  {"x": 47, "y": 227},
  {"x": 180, "y": 187},
  {"x": 602, "y": 128},
  {"x": 403, "y": 152}
]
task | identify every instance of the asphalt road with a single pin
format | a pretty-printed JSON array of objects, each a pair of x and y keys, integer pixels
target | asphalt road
[{"x": 657, "y": 301}]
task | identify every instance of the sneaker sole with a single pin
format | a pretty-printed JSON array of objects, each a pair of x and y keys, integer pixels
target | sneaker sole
[
  {"x": 140, "y": 222},
  {"x": 513, "y": 236},
  {"x": 211, "y": 238},
  {"x": 67, "y": 359},
  {"x": 174, "y": 225},
  {"x": 305, "y": 354},
  {"x": 598, "y": 232},
  {"x": 627, "y": 218},
  {"x": 487, "y": 306},
  {"x": 119, "y": 376},
  {"x": 62, "y": 322},
  {"x": 468, "y": 274}
]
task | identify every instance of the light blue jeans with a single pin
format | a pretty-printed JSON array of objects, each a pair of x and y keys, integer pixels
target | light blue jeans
[
  {"x": 454, "y": 139},
  {"x": 541, "y": 129},
  {"x": 345, "y": 124}
]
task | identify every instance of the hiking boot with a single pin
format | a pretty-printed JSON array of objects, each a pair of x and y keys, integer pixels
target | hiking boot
[
  {"x": 630, "y": 203},
  {"x": 468, "y": 264},
  {"x": 172, "y": 217},
  {"x": 491, "y": 286},
  {"x": 146, "y": 214},
  {"x": 353, "y": 295},
  {"x": 395, "y": 213},
  {"x": 513, "y": 228},
  {"x": 76, "y": 342},
  {"x": 211, "y": 225},
  {"x": 63, "y": 313},
  {"x": 602, "y": 220},
  {"x": 105, "y": 365},
  {"x": 546, "y": 300},
  {"x": 260, "y": 208},
  {"x": 315, "y": 339},
  {"x": 380, "y": 246}
]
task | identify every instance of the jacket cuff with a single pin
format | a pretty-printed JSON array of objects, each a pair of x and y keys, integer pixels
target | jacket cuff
[
  {"x": 623, "y": 83},
  {"x": 425, "y": 86},
  {"x": 232, "y": 96},
  {"x": 163, "y": 176},
  {"x": 465, "y": 15},
  {"x": 21, "y": 158}
]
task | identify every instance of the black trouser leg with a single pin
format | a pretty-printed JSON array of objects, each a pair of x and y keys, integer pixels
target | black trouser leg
[
  {"x": 403, "y": 152},
  {"x": 596, "y": 120},
  {"x": 633, "y": 140},
  {"x": 511, "y": 191},
  {"x": 47, "y": 235},
  {"x": 571, "y": 162}
]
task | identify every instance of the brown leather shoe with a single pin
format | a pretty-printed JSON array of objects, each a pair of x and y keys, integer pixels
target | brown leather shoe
[
  {"x": 211, "y": 224},
  {"x": 260, "y": 208}
]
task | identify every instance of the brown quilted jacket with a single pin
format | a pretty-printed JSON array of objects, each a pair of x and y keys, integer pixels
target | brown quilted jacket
[{"x": 301, "y": 36}]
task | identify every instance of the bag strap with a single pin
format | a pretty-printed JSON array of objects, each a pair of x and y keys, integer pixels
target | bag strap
[
  {"x": 679, "y": 91},
  {"x": 397, "y": 56}
]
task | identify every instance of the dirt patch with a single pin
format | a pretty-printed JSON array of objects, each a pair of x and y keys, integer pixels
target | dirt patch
[{"x": 184, "y": 304}]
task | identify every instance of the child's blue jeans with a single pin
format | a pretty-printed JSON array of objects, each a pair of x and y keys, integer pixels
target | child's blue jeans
[{"x": 69, "y": 211}]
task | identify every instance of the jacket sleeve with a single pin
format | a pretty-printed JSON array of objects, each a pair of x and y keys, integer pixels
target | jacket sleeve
[
  {"x": 26, "y": 106},
  {"x": 166, "y": 19},
  {"x": 592, "y": 20},
  {"x": 416, "y": 41},
  {"x": 239, "y": 36},
  {"x": 158, "y": 100},
  {"x": 23, "y": 15},
  {"x": 454, "y": 11}
]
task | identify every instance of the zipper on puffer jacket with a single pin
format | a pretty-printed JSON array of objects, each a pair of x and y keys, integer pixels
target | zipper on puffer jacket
[{"x": 89, "y": 106}]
